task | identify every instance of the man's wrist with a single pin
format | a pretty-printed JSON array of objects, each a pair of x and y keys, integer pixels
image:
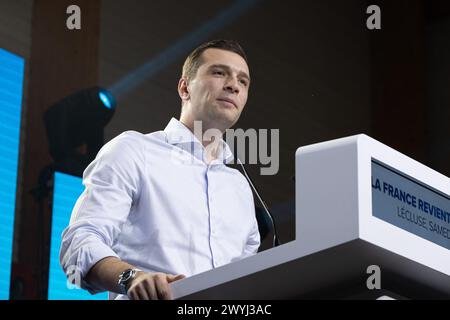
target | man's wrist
[
  {"x": 130, "y": 283},
  {"x": 125, "y": 279}
]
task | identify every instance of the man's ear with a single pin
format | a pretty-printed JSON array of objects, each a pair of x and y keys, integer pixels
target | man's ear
[{"x": 183, "y": 89}]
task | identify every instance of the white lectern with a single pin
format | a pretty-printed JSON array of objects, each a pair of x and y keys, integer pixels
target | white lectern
[{"x": 369, "y": 221}]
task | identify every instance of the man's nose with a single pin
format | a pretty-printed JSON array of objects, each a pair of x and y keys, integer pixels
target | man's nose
[{"x": 232, "y": 85}]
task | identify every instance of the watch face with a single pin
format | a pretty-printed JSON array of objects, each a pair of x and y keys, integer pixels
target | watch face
[{"x": 127, "y": 275}]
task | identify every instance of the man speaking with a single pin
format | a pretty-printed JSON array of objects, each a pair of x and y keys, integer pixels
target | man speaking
[{"x": 161, "y": 206}]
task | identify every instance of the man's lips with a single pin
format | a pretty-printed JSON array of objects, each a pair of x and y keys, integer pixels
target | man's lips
[{"x": 228, "y": 100}]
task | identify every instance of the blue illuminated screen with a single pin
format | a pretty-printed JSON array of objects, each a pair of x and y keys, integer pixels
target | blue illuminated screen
[
  {"x": 11, "y": 82},
  {"x": 66, "y": 191}
]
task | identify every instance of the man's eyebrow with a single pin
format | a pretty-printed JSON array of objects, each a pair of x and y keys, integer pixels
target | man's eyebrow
[{"x": 224, "y": 66}]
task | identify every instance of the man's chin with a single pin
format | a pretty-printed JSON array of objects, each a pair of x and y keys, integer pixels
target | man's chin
[{"x": 226, "y": 119}]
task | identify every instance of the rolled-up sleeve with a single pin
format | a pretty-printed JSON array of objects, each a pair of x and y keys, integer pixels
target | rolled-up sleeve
[{"x": 112, "y": 184}]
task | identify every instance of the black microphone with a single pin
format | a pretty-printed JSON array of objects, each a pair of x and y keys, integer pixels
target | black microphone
[{"x": 275, "y": 242}]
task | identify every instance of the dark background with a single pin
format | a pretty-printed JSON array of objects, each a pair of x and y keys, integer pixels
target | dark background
[{"x": 317, "y": 74}]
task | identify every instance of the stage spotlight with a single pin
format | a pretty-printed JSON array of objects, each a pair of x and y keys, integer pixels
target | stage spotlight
[
  {"x": 75, "y": 128},
  {"x": 107, "y": 99}
]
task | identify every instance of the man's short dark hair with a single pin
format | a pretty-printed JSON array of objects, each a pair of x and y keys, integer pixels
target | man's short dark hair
[{"x": 194, "y": 60}]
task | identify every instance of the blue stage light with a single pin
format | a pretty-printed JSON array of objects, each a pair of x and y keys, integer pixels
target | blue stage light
[
  {"x": 182, "y": 46},
  {"x": 75, "y": 128},
  {"x": 107, "y": 99}
]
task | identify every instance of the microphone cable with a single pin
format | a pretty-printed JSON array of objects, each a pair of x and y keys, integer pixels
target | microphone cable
[{"x": 276, "y": 241}]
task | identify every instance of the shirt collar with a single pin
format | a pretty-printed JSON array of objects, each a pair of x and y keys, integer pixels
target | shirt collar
[{"x": 179, "y": 135}]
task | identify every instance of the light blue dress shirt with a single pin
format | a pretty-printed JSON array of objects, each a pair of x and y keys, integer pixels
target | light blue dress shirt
[{"x": 153, "y": 201}]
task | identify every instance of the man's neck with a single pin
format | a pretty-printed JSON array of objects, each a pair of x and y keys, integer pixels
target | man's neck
[
  {"x": 199, "y": 134},
  {"x": 210, "y": 144}
]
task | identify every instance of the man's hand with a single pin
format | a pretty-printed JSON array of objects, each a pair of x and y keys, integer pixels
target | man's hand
[
  {"x": 152, "y": 286},
  {"x": 104, "y": 276}
]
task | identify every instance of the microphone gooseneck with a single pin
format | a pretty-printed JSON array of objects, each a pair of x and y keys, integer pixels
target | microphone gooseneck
[{"x": 275, "y": 241}]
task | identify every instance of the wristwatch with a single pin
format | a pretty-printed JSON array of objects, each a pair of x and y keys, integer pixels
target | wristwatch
[{"x": 125, "y": 278}]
